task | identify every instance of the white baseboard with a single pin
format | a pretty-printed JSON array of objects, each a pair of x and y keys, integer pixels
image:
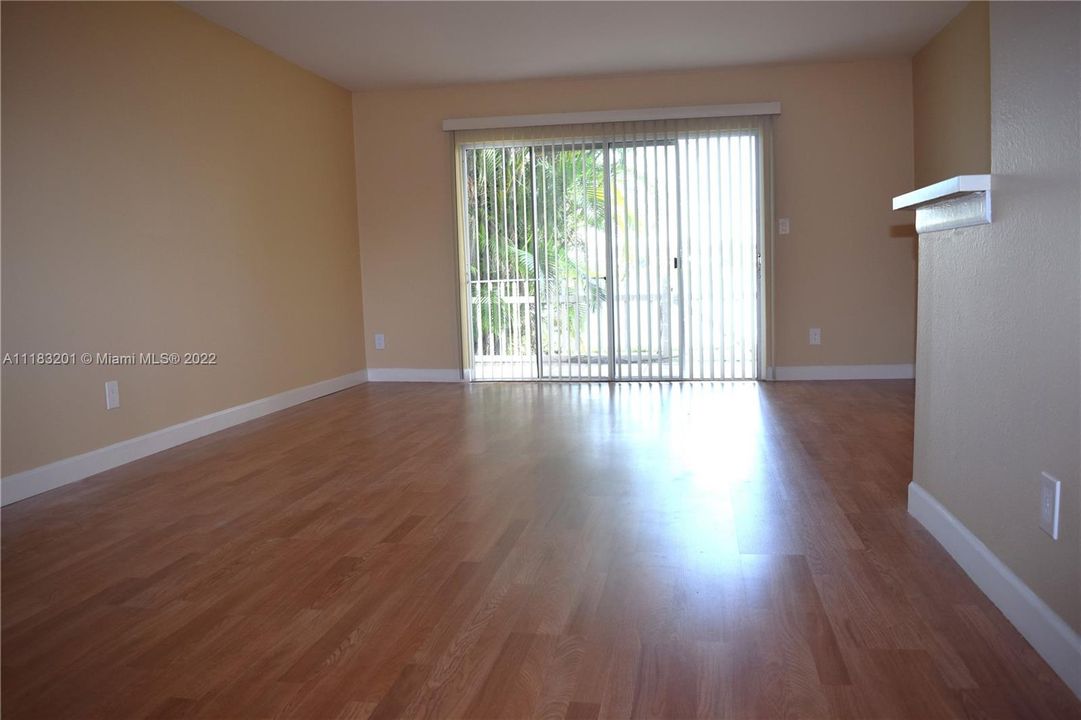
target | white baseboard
[
  {"x": 845, "y": 372},
  {"x": 47, "y": 477},
  {"x": 1053, "y": 639},
  {"x": 414, "y": 375}
]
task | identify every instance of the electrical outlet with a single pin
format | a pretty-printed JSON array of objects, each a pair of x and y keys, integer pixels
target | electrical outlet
[
  {"x": 380, "y": 341},
  {"x": 112, "y": 395},
  {"x": 815, "y": 336},
  {"x": 1050, "y": 492},
  {"x": 784, "y": 226}
]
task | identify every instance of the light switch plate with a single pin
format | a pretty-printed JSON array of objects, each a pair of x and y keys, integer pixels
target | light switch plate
[
  {"x": 1050, "y": 494},
  {"x": 784, "y": 226},
  {"x": 380, "y": 341}
]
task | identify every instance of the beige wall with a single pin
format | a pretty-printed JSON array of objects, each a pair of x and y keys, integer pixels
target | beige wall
[
  {"x": 998, "y": 366},
  {"x": 843, "y": 149},
  {"x": 951, "y": 102},
  {"x": 167, "y": 186}
]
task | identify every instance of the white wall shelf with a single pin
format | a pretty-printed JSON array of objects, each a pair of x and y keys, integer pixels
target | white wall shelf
[{"x": 958, "y": 202}]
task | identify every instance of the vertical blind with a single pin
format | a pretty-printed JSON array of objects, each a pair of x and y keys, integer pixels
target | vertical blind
[{"x": 614, "y": 251}]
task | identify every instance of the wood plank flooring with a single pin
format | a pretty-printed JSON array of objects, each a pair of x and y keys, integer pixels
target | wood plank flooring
[{"x": 513, "y": 551}]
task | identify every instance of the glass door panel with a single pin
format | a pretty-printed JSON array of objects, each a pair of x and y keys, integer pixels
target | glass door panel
[{"x": 628, "y": 259}]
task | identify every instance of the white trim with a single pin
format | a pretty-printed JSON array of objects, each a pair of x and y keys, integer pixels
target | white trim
[
  {"x": 607, "y": 116},
  {"x": 63, "y": 472},
  {"x": 960, "y": 185},
  {"x": 1052, "y": 638},
  {"x": 451, "y": 375},
  {"x": 844, "y": 372}
]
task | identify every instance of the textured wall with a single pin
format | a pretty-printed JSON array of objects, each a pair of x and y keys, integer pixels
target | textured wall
[
  {"x": 998, "y": 364},
  {"x": 168, "y": 186},
  {"x": 843, "y": 149},
  {"x": 951, "y": 99}
]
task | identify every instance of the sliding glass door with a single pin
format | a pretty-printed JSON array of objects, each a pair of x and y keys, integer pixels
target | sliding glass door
[
  {"x": 620, "y": 255},
  {"x": 536, "y": 250},
  {"x": 722, "y": 228},
  {"x": 648, "y": 307},
  {"x": 573, "y": 332}
]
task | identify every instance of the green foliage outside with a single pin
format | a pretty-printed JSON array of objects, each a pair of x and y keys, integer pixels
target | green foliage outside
[{"x": 528, "y": 212}]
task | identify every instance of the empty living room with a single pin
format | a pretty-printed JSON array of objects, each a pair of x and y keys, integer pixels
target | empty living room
[{"x": 555, "y": 360}]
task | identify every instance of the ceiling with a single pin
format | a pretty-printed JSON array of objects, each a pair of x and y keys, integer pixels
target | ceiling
[{"x": 362, "y": 45}]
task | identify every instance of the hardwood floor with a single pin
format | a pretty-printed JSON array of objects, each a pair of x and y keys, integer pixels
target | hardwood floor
[{"x": 506, "y": 551}]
